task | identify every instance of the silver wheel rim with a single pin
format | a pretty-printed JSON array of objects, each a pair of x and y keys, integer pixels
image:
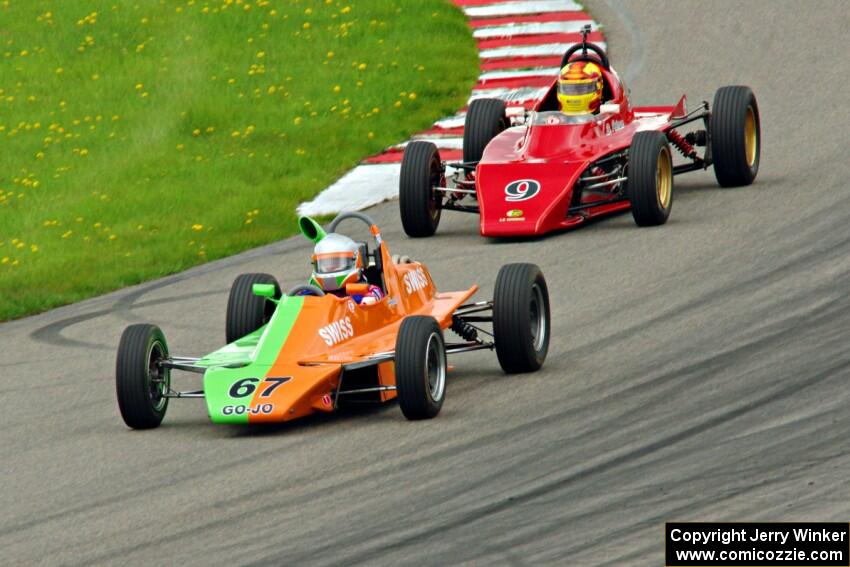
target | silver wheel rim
[
  {"x": 159, "y": 378},
  {"x": 539, "y": 324},
  {"x": 435, "y": 367}
]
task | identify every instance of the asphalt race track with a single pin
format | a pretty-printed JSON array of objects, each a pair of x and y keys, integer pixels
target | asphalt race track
[{"x": 698, "y": 371}]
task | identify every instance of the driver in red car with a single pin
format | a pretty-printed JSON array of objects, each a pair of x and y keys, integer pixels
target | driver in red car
[
  {"x": 338, "y": 269},
  {"x": 580, "y": 88}
]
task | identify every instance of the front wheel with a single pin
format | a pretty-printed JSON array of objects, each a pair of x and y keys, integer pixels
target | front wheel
[
  {"x": 420, "y": 367},
  {"x": 485, "y": 119},
  {"x": 521, "y": 318},
  {"x": 735, "y": 136},
  {"x": 247, "y": 312},
  {"x": 418, "y": 202},
  {"x": 650, "y": 183},
  {"x": 140, "y": 380}
]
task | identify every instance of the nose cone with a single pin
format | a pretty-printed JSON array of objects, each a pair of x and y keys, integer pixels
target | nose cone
[
  {"x": 261, "y": 393},
  {"x": 523, "y": 199}
]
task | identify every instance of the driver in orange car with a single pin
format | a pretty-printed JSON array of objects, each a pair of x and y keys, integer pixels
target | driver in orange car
[{"x": 338, "y": 270}]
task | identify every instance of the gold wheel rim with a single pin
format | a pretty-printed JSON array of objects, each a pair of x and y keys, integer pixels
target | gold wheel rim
[
  {"x": 664, "y": 178},
  {"x": 750, "y": 138}
]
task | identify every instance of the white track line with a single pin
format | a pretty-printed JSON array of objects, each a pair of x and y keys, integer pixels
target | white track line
[
  {"x": 529, "y": 50},
  {"x": 512, "y": 30},
  {"x": 451, "y": 121},
  {"x": 362, "y": 187},
  {"x": 521, "y": 94},
  {"x": 442, "y": 142},
  {"x": 522, "y": 8},
  {"x": 519, "y": 73}
]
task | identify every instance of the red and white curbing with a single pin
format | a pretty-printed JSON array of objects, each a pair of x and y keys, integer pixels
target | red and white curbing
[{"x": 520, "y": 43}]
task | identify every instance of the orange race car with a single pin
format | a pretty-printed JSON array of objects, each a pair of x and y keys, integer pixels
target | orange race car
[{"x": 290, "y": 355}]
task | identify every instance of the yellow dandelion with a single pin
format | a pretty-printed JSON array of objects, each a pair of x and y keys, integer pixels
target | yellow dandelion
[
  {"x": 196, "y": 132},
  {"x": 362, "y": 66},
  {"x": 139, "y": 86},
  {"x": 371, "y": 135},
  {"x": 261, "y": 54},
  {"x": 337, "y": 88},
  {"x": 412, "y": 96},
  {"x": 197, "y": 227}
]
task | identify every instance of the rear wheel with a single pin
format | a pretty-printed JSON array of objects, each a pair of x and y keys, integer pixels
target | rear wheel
[
  {"x": 521, "y": 319},
  {"x": 418, "y": 202},
  {"x": 247, "y": 312},
  {"x": 140, "y": 381},
  {"x": 485, "y": 118},
  {"x": 650, "y": 183},
  {"x": 420, "y": 367},
  {"x": 735, "y": 136}
]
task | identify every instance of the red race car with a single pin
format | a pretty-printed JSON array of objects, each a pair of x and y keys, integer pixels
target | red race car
[{"x": 531, "y": 172}]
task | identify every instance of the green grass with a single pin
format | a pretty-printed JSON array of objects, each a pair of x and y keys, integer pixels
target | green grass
[{"x": 142, "y": 137}]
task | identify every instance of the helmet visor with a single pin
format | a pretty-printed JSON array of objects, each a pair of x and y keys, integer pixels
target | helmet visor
[
  {"x": 572, "y": 89},
  {"x": 332, "y": 263}
]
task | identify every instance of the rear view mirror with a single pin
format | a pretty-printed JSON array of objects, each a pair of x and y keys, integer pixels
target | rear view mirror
[{"x": 264, "y": 290}]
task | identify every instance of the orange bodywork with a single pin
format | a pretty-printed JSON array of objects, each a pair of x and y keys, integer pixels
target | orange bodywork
[{"x": 328, "y": 333}]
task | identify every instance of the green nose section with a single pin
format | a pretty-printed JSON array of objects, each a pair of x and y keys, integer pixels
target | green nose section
[{"x": 311, "y": 230}]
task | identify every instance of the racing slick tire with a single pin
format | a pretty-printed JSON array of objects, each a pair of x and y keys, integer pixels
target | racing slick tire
[
  {"x": 418, "y": 203},
  {"x": 735, "y": 130},
  {"x": 247, "y": 312},
  {"x": 420, "y": 367},
  {"x": 485, "y": 118},
  {"x": 521, "y": 318},
  {"x": 650, "y": 183},
  {"x": 140, "y": 383}
]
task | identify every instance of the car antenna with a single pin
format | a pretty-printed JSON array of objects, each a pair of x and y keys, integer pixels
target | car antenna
[{"x": 584, "y": 31}]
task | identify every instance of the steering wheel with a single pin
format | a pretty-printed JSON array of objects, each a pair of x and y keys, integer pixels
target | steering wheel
[
  {"x": 598, "y": 55},
  {"x": 310, "y": 289},
  {"x": 373, "y": 229}
]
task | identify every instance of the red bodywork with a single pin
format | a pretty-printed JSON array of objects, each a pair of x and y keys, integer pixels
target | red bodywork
[{"x": 555, "y": 156}]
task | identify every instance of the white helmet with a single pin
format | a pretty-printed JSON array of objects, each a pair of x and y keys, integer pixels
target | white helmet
[{"x": 337, "y": 261}]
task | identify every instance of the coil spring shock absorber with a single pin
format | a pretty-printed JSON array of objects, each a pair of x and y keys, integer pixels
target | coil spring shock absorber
[
  {"x": 681, "y": 144},
  {"x": 464, "y": 329}
]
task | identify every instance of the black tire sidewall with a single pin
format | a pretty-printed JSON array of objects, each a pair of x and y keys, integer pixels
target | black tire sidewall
[
  {"x": 412, "y": 387},
  {"x": 416, "y": 194},
  {"x": 512, "y": 318},
  {"x": 642, "y": 173},
  {"x": 728, "y": 147},
  {"x": 132, "y": 378},
  {"x": 247, "y": 312},
  {"x": 485, "y": 119}
]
